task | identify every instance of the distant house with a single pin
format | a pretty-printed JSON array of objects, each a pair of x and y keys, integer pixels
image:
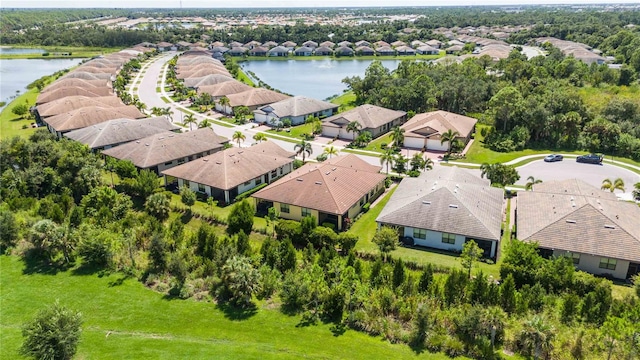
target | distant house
[
  {"x": 327, "y": 44},
  {"x": 223, "y": 89},
  {"x": 258, "y": 51},
  {"x": 237, "y": 51},
  {"x": 362, "y": 43},
  {"x": 310, "y": 44},
  {"x": 427, "y": 50},
  {"x": 235, "y": 44},
  {"x": 252, "y": 98},
  {"x": 446, "y": 207},
  {"x": 434, "y": 43},
  {"x": 226, "y": 174},
  {"x": 219, "y": 49},
  {"x": 344, "y": 51},
  {"x": 365, "y": 51},
  {"x": 120, "y": 131},
  {"x": 166, "y": 150},
  {"x": 270, "y": 44},
  {"x": 202, "y": 71},
  {"x": 251, "y": 45},
  {"x": 398, "y": 43},
  {"x": 323, "y": 51},
  {"x": 70, "y": 103},
  {"x": 574, "y": 219},
  {"x": 424, "y": 131},
  {"x": 455, "y": 43},
  {"x": 278, "y": 51},
  {"x": 405, "y": 50},
  {"x": 417, "y": 43},
  {"x": 333, "y": 191},
  {"x": 206, "y": 80},
  {"x": 183, "y": 45},
  {"x": 345, "y": 43},
  {"x": 303, "y": 51},
  {"x": 297, "y": 109},
  {"x": 165, "y": 46},
  {"x": 374, "y": 119},
  {"x": 385, "y": 51},
  {"x": 380, "y": 43},
  {"x": 289, "y": 45},
  {"x": 454, "y": 49}
]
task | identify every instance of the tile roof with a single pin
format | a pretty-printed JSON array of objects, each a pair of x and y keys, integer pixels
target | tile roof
[
  {"x": 200, "y": 73},
  {"x": 234, "y": 166},
  {"x": 119, "y": 131},
  {"x": 63, "y": 83},
  {"x": 206, "y": 80},
  {"x": 327, "y": 187},
  {"x": 447, "y": 199},
  {"x": 86, "y": 76},
  {"x": 255, "y": 97},
  {"x": 580, "y": 218},
  {"x": 367, "y": 115},
  {"x": 297, "y": 106},
  {"x": 91, "y": 115},
  {"x": 64, "y": 92},
  {"x": 224, "y": 89},
  {"x": 71, "y": 103},
  {"x": 167, "y": 146},
  {"x": 435, "y": 123}
]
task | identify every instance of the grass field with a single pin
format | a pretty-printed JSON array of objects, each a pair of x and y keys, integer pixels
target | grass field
[
  {"x": 56, "y": 52},
  {"x": 11, "y": 124},
  {"x": 346, "y": 101},
  {"x": 598, "y": 97},
  {"x": 125, "y": 320},
  {"x": 296, "y": 132}
]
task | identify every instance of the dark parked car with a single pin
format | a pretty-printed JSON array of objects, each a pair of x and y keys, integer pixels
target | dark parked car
[
  {"x": 553, "y": 158},
  {"x": 590, "y": 159}
]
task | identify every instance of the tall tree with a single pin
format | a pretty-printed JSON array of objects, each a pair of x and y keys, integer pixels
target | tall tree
[
  {"x": 238, "y": 137},
  {"x": 241, "y": 218},
  {"x": 240, "y": 280},
  {"x": 449, "y": 137},
  {"x": 530, "y": 182},
  {"x": 353, "y": 127},
  {"x": 387, "y": 157},
  {"x": 471, "y": 253},
  {"x": 205, "y": 123},
  {"x": 260, "y": 137},
  {"x": 303, "y": 148},
  {"x": 190, "y": 119},
  {"x": 617, "y": 184},
  {"x": 330, "y": 151},
  {"x": 397, "y": 135},
  {"x": 224, "y": 103},
  {"x": 387, "y": 239}
]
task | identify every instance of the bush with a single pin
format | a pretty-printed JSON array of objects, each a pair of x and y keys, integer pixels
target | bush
[
  {"x": 248, "y": 193},
  {"x": 241, "y": 218},
  {"x": 366, "y": 207},
  {"x": 53, "y": 334},
  {"x": 329, "y": 225}
]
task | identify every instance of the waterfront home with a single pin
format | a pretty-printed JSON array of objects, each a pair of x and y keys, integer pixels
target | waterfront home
[
  {"x": 297, "y": 109},
  {"x": 424, "y": 130},
  {"x": 374, "y": 119}
]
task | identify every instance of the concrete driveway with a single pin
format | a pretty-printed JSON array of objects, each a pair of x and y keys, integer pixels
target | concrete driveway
[{"x": 570, "y": 169}]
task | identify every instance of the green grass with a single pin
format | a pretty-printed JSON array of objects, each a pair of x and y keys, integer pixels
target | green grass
[
  {"x": 76, "y": 52},
  {"x": 164, "y": 98},
  {"x": 244, "y": 78},
  {"x": 11, "y": 124},
  {"x": 376, "y": 144},
  {"x": 356, "y": 151},
  {"x": 346, "y": 101},
  {"x": 125, "y": 320},
  {"x": 296, "y": 132},
  {"x": 597, "y": 98}
]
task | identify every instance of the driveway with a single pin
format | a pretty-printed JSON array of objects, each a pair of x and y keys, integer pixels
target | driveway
[{"x": 570, "y": 169}]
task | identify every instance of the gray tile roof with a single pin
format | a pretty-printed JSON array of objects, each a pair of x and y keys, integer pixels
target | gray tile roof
[
  {"x": 207, "y": 80},
  {"x": 435, "y": 123},
  {"x": 573, "y": 216},
  {"x": 64, "y": 92},
  {"x": 447, "y": 199},
  {"x": 367, "y": 115},
  {"x": 255, "y": 97},
  {"x": 298, "y": 106},
  {"x": 120, "y": 131}
]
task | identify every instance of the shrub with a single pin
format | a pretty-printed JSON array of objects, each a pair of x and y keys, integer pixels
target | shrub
[{"x": 241, "y": 218}]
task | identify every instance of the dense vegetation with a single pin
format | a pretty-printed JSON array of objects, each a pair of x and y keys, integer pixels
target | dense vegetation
[{"x": 58, "y": 212}]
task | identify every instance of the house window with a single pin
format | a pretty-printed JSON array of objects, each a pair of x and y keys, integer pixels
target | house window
[
  {"x": 306, "y": 212},
  {"x": 186, "y": 183},
  {"x": 168, "y": 163},
  {"x": 609, "y": 264},
  {"x": 181, "y": 161},
  {"x": 448, "y": 238},
  {"x": 362, "y": 201},
  {"x": 284, "y": 208},
  {"x": 419, "y": 233},
  {"x": 258, "y": 180},
  {"x": 281, "y": 170},
  {"x": 274, "y": 173},
  {"x": 575, "y": 257},
  {"x": 201, "y": 188}
]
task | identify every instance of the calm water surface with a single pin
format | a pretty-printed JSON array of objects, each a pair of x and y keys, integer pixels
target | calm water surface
[
  {"x": 319, "y": 79},
  {"x": 10, "y": 50},
  {"x": 16, "y": 74}
]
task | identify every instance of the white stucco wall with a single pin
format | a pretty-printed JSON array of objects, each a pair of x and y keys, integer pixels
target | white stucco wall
[
  {"x": 435, "y": 145},
  {"x": 414, "y": 143},
  {"x": 434, "y": 240},
  {"x": 591, "y": 264}
]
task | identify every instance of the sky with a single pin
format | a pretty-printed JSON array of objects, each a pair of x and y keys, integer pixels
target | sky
[{"x": 278, "y": 3}]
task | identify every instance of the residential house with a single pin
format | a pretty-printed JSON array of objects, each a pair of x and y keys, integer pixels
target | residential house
[
  {"x": 303, "y": 51},
  {"x": 365, "y": 51},
  {"x": 333, "y": 191},
  {"x": 323, "y": 51},
  {"x": 374, "y": 119},
  {"x": 328, "y": 44},
  {"x": 168, "y": 149},
  {"x": 219, "y": 50},
  {"x": 424, "y": 130},
  {"x": 278, "y": 51},
  {"x": 87, "y": 76},
  {"x": 223, "y": 89},
  {"x": 202, "y": 71},
  {"x": 195, "y": 83},
  {"x": 446, "y": 207},
  {"x": 237, "y": 51},
  {"x": 258, "y": 51},
  {"x": 70, "y": 103},
  {"x": 165, "y": 46},
  {"x": 289, "y": 45},
  {"x": 235, "y": 44},
  {"x": 120, "y": 131},
  {"x": 270, "y": 44},
  {"x": 455, "y": 49},
  {"x": 183, "y": 45},
  {"x": 380, "y": 43},
  {"x": 87, "y": 116},
  {"x": 231, "y": 172},
  {"x": 344, "y": 51},
  {"x": 297, "y": 109},
  {"x": 80, "y": 83},
  {"x": 398, "y": 43},
  {"x": 252, "y": 98},
  {"x": 572, "y": 218},
  {"x": 455, "y": 43},
  {"x": 310, "y": 44},
  {"x": 434, "y": 43},
  {"x": 217, "y": 44},
  {"x": 405, "y": 50},
  {"x": 362, "y": 43},
  {"x": 417, "y": 43},
  {"x": 427, "y": 50},
  {"x": 252, "y": 45},
  {"x": 345, "y": 43}
]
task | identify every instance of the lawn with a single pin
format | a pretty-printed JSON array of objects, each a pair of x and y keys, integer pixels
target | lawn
[
  {"x": 598, "y": 97},
  {"x": 203, "y": 208},
  {"x": 346, "y": 101},
  {"x": 125, "y": 320},
  {"x": 11, "y": 124},
  {"x": 244, "y": 78},
  {"x": 376, "y": 144},
  {"x": 56, "y": 52},
  {"x": 296, "y": 132}
]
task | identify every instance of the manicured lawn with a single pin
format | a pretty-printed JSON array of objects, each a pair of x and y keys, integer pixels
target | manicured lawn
[
  {"x": 125, "y": 320},
  {"x": 242, "y": 77},
  {"x": 11, "y": 124},
  {"x": 76, "y": 52},
  {"x": 296, "y": 132},
  {"x": 346, "y": 101},
  {"x": 375, "y": 145}
]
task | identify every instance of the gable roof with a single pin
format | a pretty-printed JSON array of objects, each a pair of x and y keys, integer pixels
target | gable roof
[
  {"x": 71, "y": 103},
  {"x": 234, "y": 166},
  {"x": 79, "y": 74},
  {"x": 207, "y": 80},
  {"x": 303, "y": 50},
  {"x": 367, "y": 115},
  {"x": 578, "y": 221},
  {"x": 119, "y": 131},
  {"x": 297, "y": 106},
  {"x": 64, "y": 92},
  {"x": 289, "y": 44},
  {"x": 224, "y": 88},
  {"x": 327, "y": 187},
  {"x": 203, "y": 72},
  {"x": 63, "y": 83},
  {"x": 278, "y": 49},
  {"x": 255, "y": 97},
  {"x": 324, "y": 49},
  {"x": 435, "y": 123},
  {"x": 91, "y": 115},
  {"x": 167, "y": 146},
  {"x": 447, "y": 199}
]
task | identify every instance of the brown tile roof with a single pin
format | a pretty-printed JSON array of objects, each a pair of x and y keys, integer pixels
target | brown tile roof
[
  {"x": 353, "y": 162},
  {"x": 234, "y": 166},
  {"x": 435, "y": 123},
  {"x": 120, "y": 131},
  {"x": 583, "y": 223},
  {"x": 255, "y": 97},
  {"x": 71, "y": 103},
  {"x": 86, "y": 76},
  {"x": 189, "y": 68},
  {"x": 212, "y": 70},
  {"x": 97, "y": 70},
  {"x": 168, "y": 146},
  {"x": 326, "y": 187},
  {"x": 91, "y": 115},
  {"x": 224, "y": 89},
  {"x": 63, "y": 83},
  {"x": 207, "y": 80},
  {"x": 72, "y": 91},
  {"x": 447, "y": 199},
  {"x": 367, "y": 115}
]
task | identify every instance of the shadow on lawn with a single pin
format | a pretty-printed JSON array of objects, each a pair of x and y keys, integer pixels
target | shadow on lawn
[
  {"x": 36, "y": 263},
  {"x": 237, "y": 313}
]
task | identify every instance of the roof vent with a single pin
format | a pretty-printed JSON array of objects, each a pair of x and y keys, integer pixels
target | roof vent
[
  {"x": 573, "y": 204},
  {"x": 572, "y": 198},
  {"x": 327, "y": 173},
  {"x": 457, "y": 186},
  {"x": 146, "y": 144},
  {"x": 426, "y": 202},
  {"x": 218, "y": 162},
  {"x": 318, "y": 182},
  {"x": 205, "y": 159},
  {"x": 298, "y": 179},
  {"x": 453, "y": 206},
  {"x": 161, "y": 138},
  {"x": 137, "y": 141},
  {"x": 571, "y": 221},
  {"x": 609, "y": 227},
  {"x": 333, "y": 169}
]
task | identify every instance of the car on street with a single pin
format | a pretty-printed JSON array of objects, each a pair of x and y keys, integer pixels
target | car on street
[
  {"x": 590, "y": 159},
  {"x": 553, "y": 158}
]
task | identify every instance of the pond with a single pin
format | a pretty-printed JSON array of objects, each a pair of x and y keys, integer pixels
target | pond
[
  {"x": 319, "y": 79},
  {"x": 16, "y": 74},
  {"x": 18, "y": 51}
]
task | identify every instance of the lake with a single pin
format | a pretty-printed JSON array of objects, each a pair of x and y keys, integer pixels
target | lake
[
  {"x": 319, "y": 79},
  {"x": 16, "y": 74},
  {"x": 10, "y": 50}
]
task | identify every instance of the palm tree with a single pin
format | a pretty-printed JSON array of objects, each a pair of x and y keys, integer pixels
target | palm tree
[
  {"x": 428, "y": 164},
  {"x": 260, "y": 137},
  {"x": 397, "y": 135},
  {"x": 417, "y": 162},
  {"x": 156, "y": 111},
  {"x": 495, "y": 319},
  {"x": 330, "y": 151},
  {"x": 387, "y": 157},
  {"x": 530, "y": 182},
  {"x": 205, "y": 124},
  {"x": 224, "y": 103},
  {"x": 537, "y": 337},
  {"x": 303, "y": 148},
  {"x": 617, "y": 184},
  {"x": 354, "y": 127},
  {"x": 485, "y": 169},
  {"x": 238, "y": 136},
  {"x": 449, "y": 136},
  {"x": 190, "y": 119},
  {"x": 636, "y": 191},
  {"x": 167, "y": 112}
]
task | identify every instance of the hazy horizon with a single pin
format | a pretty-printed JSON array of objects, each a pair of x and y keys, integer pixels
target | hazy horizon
[{"x": 155, "y": 4}]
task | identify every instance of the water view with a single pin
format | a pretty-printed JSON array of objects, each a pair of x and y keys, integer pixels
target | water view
[
  {"x": 18, "y": 51},
  {"x": 319, "y": 79},
  {"x": 16, "y": 74}
]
